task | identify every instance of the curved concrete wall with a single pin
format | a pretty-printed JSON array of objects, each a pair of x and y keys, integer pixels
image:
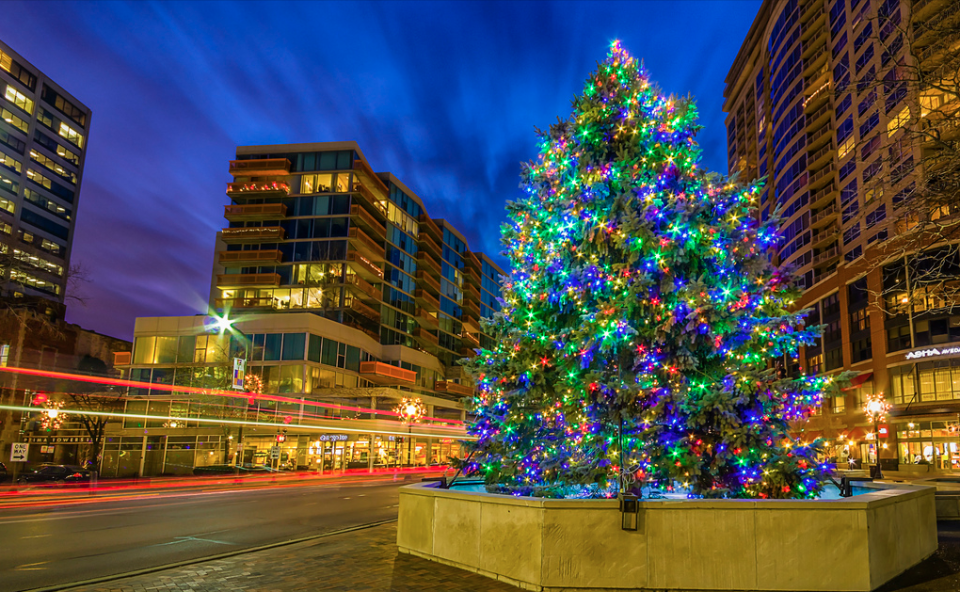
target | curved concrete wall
[{"x": 851, "y": 544}]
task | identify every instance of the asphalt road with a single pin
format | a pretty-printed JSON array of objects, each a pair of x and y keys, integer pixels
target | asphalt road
[{"x": 59, "y": 544}]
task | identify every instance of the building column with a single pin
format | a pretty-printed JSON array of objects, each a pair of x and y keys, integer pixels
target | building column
[
  {"x": 143, "y": 455},
  {"x": 371, "y": 450}
]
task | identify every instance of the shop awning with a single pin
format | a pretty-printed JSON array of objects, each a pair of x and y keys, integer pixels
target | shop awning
[{"x": 857, "y": 381}]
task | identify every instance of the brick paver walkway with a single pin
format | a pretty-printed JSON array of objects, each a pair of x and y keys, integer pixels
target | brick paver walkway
[{"x": 364, "y": 560}]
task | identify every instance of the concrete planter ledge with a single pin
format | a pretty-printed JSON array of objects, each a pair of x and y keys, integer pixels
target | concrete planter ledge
[{"x": 854, "y": 544}]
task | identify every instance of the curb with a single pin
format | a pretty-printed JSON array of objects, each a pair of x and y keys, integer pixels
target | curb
[{"x": 148, "y": 570}]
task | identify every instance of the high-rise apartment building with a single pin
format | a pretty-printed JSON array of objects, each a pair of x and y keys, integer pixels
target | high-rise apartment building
[
  {"x": 818, "y": 102},
  {"x": 344, "y": 297},
  {"x": 43, "y": 140}
]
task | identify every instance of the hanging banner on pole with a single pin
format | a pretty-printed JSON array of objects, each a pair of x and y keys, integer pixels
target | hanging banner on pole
[{"x": 239, "y": 368}]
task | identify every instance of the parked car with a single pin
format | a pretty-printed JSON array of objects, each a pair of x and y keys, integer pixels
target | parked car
[
  {"x": 246, "y": 469},
  {"x": 56, "y": 474},
  {"x": 4, "y": 475}
]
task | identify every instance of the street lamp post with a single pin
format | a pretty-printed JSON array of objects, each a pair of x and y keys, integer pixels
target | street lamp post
[
  {"x": 410, "y": 412},
  {"x": 875, "y": 408}
]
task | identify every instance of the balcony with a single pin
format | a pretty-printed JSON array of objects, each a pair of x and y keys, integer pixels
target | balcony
[
  {"x": 360, "y": 217},
  {"x": 810, "y": 21},
  {"x": 363, "y": 329},
  {"x": 471, "y": 275},
  {"x": 827, "y": 256},
  {"x": 923, "y": 9},
  {"x": 362, "y": 288},
  {"x": 362, "y": 309},
  {"x": 819, "y": 137},
  {"x": 467, "y": 352},
  {"x": 823, "y": 235},
  {"x": 245, "y": 280},
  {"x": 255, "y": 257},
  {"x": 424, "y": 279},
  {"x": 376, "y": 183},
  {"x": 258, "y": 189},
  {"x": 822, "y": 177},
  {"x": 427, "y": 319},
  {"x": 426, "y": 338},
  {"x": 470, "y": 322},
  {"x": 445, "y": 386},
  {"x": 817, "y": 157},
  {"x": 364, "y": 267},
  {"x": 425, "y": 241},
  {"x": 427, "y": 223},
  {"x": 471, "y": 260},
  {"x": 471, "y": 307},
  {"x": 471, "y": 292},
  {"x": 824, "y": 196},
  {"x": 385, "y": 374},
  {"x": 240, "y": 213},
  {"x": 245, "y": 303},
  {"x": 428, "y": 263},
  {"x": 267, "y": 167},
  {"x": 470, "y": 340},
  {"x": 815, "y": 61},
  {"x": 820, "y": 116},
  {"x": 823, "y": 216},
  {"x": 812, "y": 45},
  {"x": 258, "y": 234},
  {"x": 426, "y": 300},
  {"x": 817, "y": 97},
  {"x": 365, "y": 245},
  {"x": 363, "y": 195}
]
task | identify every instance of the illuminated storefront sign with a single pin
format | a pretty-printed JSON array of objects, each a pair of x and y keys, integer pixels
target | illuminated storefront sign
[
  {"x": 933, "y": 352},
  {"x": 333, "y": 437}
]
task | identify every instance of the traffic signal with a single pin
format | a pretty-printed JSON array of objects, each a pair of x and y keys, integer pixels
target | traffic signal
[{"x": 281, "y": 436}]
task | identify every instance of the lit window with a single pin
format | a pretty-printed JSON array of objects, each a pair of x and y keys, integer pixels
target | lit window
[
  {"x": 13, "y": 120},
  {"x": 71, "y": 135},
  {"x": 846, "y": 147},
  {"x": 898, "y": 121},
  {"x": 10, "y": 162},
  {"x": 19, "y": 99}
]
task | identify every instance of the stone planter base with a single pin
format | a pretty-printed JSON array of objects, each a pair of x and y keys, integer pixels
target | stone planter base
[{"x": 853, "y": 544}]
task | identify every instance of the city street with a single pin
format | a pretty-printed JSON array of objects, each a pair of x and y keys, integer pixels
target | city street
[{"x": 57, "y": 544}]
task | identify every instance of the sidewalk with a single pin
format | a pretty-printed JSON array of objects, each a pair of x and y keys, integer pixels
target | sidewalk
[{"x": 364, "y": 560}]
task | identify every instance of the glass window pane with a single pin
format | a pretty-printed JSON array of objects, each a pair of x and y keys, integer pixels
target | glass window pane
[
  {"x": 329, "y": 356},
  {"x": 293, "y": 344},
  {"x": 185, "y": 350},
  {"x": 271, "y": 347},
  {"x": 313, "y": 352},
  {"x": 143, "y": 350},
  {"x": 353, "y": 358},
  {"x": 166, "y": 350}
]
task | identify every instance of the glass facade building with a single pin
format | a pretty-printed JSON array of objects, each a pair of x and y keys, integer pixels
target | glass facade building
[
  {"x": 43, "y": 141},
  {"x": 345, "y": 297},
  {"x": 816, "y": 103}
]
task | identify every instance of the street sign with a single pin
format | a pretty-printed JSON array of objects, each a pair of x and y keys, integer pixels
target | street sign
[
  {"x": 19, "y": 452},
  {"x": 274, "y": 453},
  {"x": 239, "y": 369}
]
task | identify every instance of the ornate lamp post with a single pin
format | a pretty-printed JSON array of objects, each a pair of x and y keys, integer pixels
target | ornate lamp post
[
  {"x": 875, "y": 407},
  {"x": 410, "y": 412}
]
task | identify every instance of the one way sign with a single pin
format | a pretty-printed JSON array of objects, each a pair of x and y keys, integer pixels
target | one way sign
[{"x": 19, "y": 452}]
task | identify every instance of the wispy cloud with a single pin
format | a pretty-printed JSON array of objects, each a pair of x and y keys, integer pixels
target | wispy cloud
[{"x": 445, "y": 96}]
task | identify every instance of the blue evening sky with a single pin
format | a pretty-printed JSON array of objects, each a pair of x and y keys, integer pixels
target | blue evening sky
[{"x": 444, "y": 95}]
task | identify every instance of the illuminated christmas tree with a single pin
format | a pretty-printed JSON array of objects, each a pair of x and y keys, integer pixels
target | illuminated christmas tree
[{"x": 643, "y": 324}]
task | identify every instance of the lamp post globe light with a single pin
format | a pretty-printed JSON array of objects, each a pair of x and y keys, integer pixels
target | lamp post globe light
[
  {"x": 875, "y": 408},
  {"x": 410, "y": 411}
]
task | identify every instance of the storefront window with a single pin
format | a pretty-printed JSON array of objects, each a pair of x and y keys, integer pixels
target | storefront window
[{"x": 929, "y": 443}]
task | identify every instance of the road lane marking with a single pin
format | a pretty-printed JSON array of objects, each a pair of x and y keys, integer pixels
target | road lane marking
[
  {"x": 30, "y": 566},
  {"x": 36, "y": 536},
  {"x": 185, "y": 539}
]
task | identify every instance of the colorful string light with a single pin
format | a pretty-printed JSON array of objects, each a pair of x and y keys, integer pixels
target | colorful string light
[{"x": 642, "y": 324}]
